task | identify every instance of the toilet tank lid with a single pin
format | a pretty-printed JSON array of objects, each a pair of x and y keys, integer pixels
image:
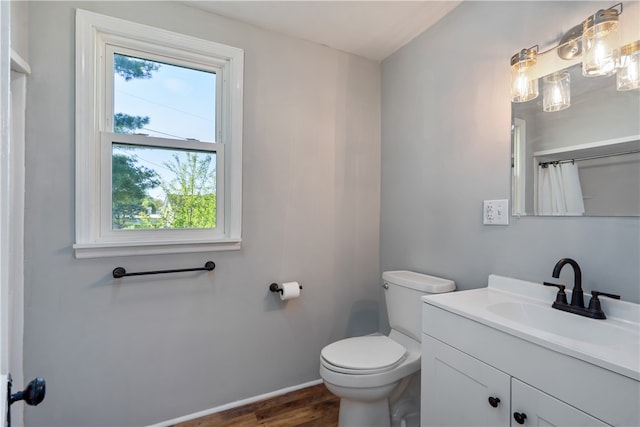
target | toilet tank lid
[{"x": 419, "y": 281}]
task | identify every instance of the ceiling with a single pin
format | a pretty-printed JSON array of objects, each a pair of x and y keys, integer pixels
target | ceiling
[{"x": 372, "y": 29}]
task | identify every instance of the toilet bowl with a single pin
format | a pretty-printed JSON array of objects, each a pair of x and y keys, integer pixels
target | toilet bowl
[
  {"x": 366, "y": 371},
  {"x": 364, "y": 393}
]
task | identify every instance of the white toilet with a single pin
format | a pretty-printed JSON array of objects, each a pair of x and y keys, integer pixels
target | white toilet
[{"x": 370, "y": 374}]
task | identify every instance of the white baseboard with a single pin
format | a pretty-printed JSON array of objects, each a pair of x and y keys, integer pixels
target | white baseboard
[{"x": 236, "y": 404}]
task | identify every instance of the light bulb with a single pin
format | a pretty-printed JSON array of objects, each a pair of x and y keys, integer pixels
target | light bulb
[
  {"x": 601, "y": 43},
  {"x": 524, "y": 87},
  {"x": 556, "y": 91},
  {"x": 629, "y": 73}
]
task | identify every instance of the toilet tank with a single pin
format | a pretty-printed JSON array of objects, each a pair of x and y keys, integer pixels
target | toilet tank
[{"x": 403, "y": 290}]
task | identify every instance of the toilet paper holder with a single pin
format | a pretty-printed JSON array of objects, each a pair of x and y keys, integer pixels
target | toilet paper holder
[{"x": 274, "y": 287}]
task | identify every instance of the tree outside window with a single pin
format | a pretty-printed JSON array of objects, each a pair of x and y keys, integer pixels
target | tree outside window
[{"x": 153, "y": 187}]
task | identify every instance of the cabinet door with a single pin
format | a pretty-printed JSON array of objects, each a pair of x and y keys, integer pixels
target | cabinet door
[
  {"x": 541, "y": 409},
  {"x": 456, "y": 389}
]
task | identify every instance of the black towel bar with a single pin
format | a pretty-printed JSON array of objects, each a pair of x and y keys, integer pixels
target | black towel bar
[{"x": 119, "y": 272}]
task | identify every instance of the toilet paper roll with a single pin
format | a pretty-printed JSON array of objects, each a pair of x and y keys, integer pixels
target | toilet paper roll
[{"x": 290, "y": 290}]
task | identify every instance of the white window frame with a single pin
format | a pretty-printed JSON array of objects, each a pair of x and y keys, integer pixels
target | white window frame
[
  {"x": 97, "y": 37},
  {"x": 519, "y": 166}
]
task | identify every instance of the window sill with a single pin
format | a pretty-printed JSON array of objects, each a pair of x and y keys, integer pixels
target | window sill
[{"x": 103, "y": 250}]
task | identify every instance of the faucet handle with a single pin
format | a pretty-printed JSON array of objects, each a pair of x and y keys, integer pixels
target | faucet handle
[
  {"x": 561, "y": 297},
  {"x": 594, "y": 303},
  {"x": 596, "y": 294}
]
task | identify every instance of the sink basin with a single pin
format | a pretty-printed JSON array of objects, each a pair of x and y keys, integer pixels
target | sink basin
[
  {"x": 592, "y": 332},
  {"x": 523, "y": 309}
]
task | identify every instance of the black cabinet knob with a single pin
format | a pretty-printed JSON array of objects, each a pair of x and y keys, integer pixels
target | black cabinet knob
[
  {"x": 519, "y": 417},
  {"x": 494, "y": 401}
]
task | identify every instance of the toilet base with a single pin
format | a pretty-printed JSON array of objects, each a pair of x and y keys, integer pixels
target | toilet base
[
  {"x": 364, "y": 414},
  {"x": 379, "y": 400}
]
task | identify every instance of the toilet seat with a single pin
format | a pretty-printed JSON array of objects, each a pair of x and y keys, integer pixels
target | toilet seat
[{"x": 370, "y": 354}]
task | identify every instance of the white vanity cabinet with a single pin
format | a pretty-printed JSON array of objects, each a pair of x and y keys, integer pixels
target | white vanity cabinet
[
  {"x": 471, "y": 358},
  {"x": 540, "y": 409},
  {"x": 460, "y": 390},
  {"x": 456, "y": 389}
]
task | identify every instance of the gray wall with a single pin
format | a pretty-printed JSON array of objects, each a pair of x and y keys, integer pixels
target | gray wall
[
  {"x": 143, "y": 350},
  {"x": 149, "y": 349},
  {"x": 446, "y": 147}
]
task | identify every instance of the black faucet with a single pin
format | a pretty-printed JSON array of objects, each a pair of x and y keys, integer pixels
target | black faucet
[
  {"x": 577, "y": 298},
  {"x": 577, "y": 295}
]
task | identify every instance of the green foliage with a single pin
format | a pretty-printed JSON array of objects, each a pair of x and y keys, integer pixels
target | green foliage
[
  {"x": 191, "y": 210},
  {"x": 133, "y": 68},
  {"x": 130, "y": 183},
  {"x": 149, "y": 218},
  {"x": 124, "y": 123},
  {"x": 191, "y": 198}
]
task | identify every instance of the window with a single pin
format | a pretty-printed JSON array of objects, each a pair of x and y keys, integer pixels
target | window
[{"x": 158, "y": 140}]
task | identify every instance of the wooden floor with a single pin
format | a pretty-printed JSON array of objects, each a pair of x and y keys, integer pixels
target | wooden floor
[{"x": 310, "y": 407}]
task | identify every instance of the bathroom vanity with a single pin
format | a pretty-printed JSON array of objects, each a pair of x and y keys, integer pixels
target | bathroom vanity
[{"x": 501, "y": 355}]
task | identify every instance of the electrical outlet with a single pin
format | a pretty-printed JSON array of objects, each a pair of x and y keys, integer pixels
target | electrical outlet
[{"x": 496, "y": 212}]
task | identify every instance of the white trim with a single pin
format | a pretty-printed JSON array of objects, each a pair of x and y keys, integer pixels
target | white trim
[
  {"x": 237, "y": 404},
  {"x": 152, "y": 248},
  {"x": 152, "y": 35},
  {"x": 16, "y": 234},
  {"x": 5, "y": 182},
  {"x": 93, "y": 32},
  {"x": 595, "y": 148},
  {"x": 3, "y": 405},
  {"x": 519, "y": 173},
  {"x": 13, "y": 86},
  {"x": 5, "y": 199},
  {"x": 18, "y": 64}
]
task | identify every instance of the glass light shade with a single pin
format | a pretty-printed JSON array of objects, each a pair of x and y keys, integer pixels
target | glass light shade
[
  {"x": 524, "y": 87},
  {"x": 629, "y": 72},
  {"x": 556, "y": 91},
  {"x": 601, "y": 43}
]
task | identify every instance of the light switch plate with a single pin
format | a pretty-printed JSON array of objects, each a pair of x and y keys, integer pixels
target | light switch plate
[{"x": 496, "y": 212}]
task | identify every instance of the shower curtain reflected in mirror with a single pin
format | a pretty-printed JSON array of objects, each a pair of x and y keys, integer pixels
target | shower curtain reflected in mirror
[{"x": 558, "y": 190}]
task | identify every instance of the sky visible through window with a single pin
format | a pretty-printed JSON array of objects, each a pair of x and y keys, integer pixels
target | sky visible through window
[{"x": 180, "y": 104}]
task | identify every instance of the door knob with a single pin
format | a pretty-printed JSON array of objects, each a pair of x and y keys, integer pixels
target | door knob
[{"x": 32, "y": 395}]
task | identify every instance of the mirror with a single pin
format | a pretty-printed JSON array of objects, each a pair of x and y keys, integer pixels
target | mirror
[{"x": 595, "y": 144}]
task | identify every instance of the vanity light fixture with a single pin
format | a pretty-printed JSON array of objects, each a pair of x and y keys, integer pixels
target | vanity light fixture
[
  {"x": 596, "y": 41},
  {"x": 556, "y": 91},
  {"x": 524, "y": 87},
  {"x": 570, "y": 45},
  {"x": 601, "y": 42},
  {"x": 629, "y": 73}
]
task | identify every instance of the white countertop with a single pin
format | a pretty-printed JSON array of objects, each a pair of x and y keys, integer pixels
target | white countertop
[{"x": 523, "y": 309}]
